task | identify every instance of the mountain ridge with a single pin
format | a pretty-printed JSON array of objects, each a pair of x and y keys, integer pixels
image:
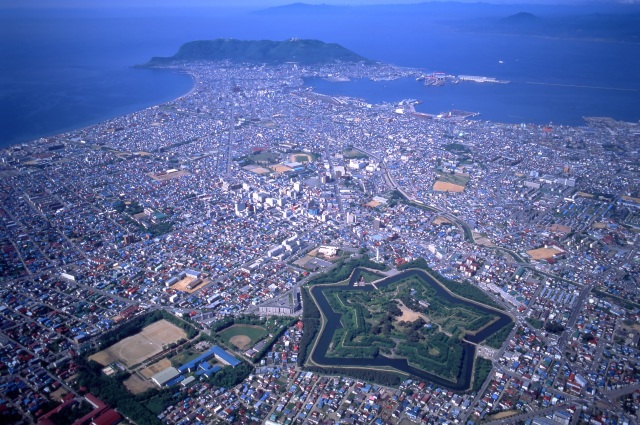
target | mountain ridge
[{"x": 302, "y": 51}]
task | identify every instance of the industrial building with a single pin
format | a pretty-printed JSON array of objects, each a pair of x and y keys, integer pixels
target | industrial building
[
  {"x": 284, "y": 306},
  {"x": 161, "y": 378},
  {"x": 200, "y": 366}
]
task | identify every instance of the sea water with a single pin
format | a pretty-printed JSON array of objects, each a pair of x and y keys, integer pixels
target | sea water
[
  {"x": 62, "y": 69},
  {"x": 515, "y": 102}
]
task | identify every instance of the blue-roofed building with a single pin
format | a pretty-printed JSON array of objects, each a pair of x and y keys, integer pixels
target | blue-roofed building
[
  {"x": 190, "y": 366},
  {"x": 205, "y": 366},
  {"x": 224, "y": 356},
  {"x": 174, "y": 381},
  {"x": 219, "y": 353}
]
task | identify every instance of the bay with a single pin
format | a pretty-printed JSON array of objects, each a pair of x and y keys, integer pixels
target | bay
[
  {"x": 74, "y": 97},
  {"x": 65, "y": 69},
  {"x": 515, "y": 102}
]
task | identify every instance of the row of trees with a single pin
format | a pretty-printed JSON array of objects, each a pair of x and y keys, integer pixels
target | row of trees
[
  {"x": 380, "y": 376},
  {"x": 185, "y": 325},
  {"x": 343, "y": 270},
  {"x": 463, "y": 289},
  {"x": 497, "y": 339},
  {"x": 336, "y": 302},
  {"x": 182, "y": 348},
  {"x": 481, "y": 371},
  {"x": 345, "y": 352},
  {"x": 112, "y": 391},
  {"x": 229, "y": 376},
  {"x": 286, "y": 323},
  {"x": 247, "y": 319},
  {"x": 480, "y": 322},
  {"x": 222, "y": 324},
  {"x": 311, "y": 319},
  {"x": 345, "y": 345}
]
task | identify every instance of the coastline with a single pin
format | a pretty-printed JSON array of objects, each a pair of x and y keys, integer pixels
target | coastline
[
  {"x": 515, "y": 103},
  {"x": 192, "y": 90},
  {"x": 434, "y": 101},
  {"x": 109, "y": 115}
]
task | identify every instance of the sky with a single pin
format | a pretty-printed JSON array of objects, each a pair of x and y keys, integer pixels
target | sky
[
  {"x": 183, "y": 3},
  {"x": 256, "y": 4}
]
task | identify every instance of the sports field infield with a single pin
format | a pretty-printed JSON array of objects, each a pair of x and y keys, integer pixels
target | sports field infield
[
  {"x": 243, "y": 336},
  {"x": 139, "y": 347}
]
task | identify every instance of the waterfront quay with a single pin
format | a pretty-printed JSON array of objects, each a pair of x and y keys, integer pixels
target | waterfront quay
[{"x": 221, "y": 201}]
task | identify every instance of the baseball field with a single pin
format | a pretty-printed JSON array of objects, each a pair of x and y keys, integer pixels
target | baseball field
[{"x": 243, "y": 336}]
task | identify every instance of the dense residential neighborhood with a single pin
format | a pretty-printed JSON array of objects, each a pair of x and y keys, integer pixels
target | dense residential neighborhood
[{"x": 215, "y": 209}]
